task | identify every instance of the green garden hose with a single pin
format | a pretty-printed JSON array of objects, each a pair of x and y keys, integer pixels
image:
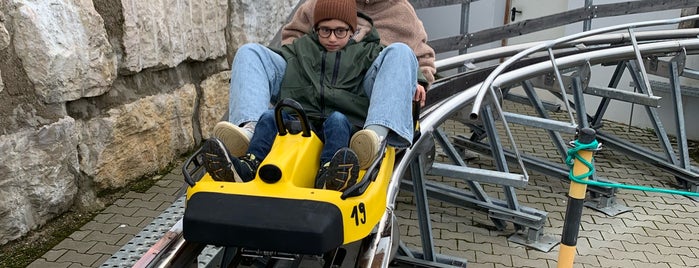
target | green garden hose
[{"x": 573, "y": 152}]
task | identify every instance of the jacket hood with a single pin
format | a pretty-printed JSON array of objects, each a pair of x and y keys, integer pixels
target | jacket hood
[{"x": 365, "y": 29}]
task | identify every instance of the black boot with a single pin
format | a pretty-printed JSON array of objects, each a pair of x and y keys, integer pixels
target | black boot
[
  {"x": 341, "y": 172},
  {"x": 219, "y": 163}
]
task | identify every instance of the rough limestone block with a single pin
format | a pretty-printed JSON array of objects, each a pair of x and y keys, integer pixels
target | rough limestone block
[
  {"x": 162, "y": 34},
  {"x": 138, "y": 138},
  {"x": 213, "y": 105},
  {"x": 39, "y": 170},
  {"x": 63, "y": 47}
]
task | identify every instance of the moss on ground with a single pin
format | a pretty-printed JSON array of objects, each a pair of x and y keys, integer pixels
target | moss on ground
[{"x": 22, "y": 252}]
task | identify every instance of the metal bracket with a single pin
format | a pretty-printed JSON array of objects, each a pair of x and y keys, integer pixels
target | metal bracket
[
  {"x": 535, "y": 238},
  {"x": 548, "y": 80},
  {"x": 606, "y": 204},
  {"x": 661, "y": 68}
]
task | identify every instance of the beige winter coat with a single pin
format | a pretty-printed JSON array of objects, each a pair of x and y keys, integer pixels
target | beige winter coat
[{"x": 395, "y": 20}]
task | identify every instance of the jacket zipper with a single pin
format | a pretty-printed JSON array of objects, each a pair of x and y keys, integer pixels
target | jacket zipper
[
  {"x": 335, "y": 73},
  {"x": 336, "y": 68},
  {"x": 322, "y": 84}
]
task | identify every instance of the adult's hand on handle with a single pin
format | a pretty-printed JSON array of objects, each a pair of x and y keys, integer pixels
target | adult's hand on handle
[{"x": 420, "y": 95}]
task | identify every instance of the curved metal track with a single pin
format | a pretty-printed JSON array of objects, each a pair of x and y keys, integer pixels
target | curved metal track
[
  {"x": 418, "y": 161},
  {"x": 463, "y": 97}
]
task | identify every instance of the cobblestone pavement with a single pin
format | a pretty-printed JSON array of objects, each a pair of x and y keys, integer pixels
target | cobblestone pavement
[
  {"x": 661, "y": 230},
  {"x": 96, "y": 241}
]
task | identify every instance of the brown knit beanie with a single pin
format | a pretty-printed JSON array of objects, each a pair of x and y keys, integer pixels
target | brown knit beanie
[{"x": 344, "y": 10}]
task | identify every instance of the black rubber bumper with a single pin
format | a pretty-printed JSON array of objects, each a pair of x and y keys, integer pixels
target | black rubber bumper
[{"x": 264, "y": 223}]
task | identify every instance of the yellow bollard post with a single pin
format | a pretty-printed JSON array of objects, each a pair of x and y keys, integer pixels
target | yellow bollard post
[{"x": 576, "y": 198}]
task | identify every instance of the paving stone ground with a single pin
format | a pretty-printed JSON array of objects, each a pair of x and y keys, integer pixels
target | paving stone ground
[{"x": 661, "y": 230}]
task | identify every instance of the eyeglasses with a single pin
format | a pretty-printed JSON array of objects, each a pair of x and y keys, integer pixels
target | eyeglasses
[{"x": 339, "y": 32}]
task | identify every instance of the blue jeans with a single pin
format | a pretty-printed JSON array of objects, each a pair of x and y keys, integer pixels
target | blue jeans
[
  {"x": 335, "y": 133},
  {"x": 256, "y": 76},
  {"x": 390, "y": 82}
]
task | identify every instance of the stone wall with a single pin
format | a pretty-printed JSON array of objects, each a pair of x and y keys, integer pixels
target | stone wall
[{"x": 95, "y": 94}]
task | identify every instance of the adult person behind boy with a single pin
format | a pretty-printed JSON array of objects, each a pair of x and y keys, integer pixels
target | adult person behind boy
[
  {"x": 325, "y": 73},
  {"x": 254, "y": 86}
]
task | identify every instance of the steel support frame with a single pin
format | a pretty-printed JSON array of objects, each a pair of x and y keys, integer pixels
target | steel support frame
[
  {"x": 416, "y": 259},
  {"x": 419, "y": 186},
  {"x": 603, "y": 203},
  {"x": 423, "y": 209},
  {"x": 600, "y": 200},
  {"x": 528, "y": 222},
  {"x": 681, "y": 168}
]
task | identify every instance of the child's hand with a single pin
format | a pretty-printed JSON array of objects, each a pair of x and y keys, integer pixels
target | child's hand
[{"x": 420, "y": 95}]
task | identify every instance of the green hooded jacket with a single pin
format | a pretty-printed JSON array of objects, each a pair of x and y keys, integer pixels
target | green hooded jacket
[{"x": 324, "y": 82}]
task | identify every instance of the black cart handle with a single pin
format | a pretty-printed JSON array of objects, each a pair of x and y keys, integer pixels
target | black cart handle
[{"x": 305, "y": 125}]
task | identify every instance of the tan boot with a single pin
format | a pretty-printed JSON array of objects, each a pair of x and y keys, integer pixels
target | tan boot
[
  {"x": 235, "y": 138},
  {"x": 365, "y": 143}
]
